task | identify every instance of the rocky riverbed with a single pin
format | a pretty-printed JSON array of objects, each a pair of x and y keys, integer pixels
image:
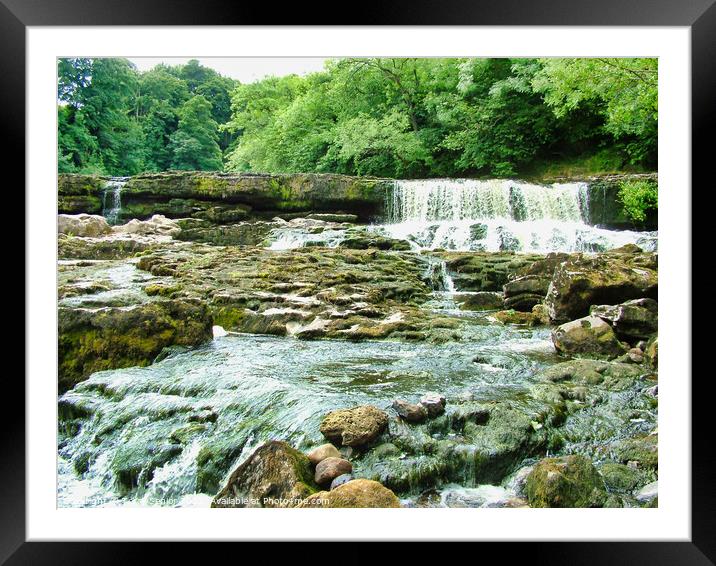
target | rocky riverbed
[{"x": 205, "y": 364}]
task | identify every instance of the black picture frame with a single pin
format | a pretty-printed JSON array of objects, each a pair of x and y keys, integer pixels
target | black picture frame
[{"x": 699, "y": 15}]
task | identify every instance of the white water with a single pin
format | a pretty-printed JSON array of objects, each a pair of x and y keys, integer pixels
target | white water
[
  {"x": 494, "y": 215},
  {"x": 112, "y": 199}
]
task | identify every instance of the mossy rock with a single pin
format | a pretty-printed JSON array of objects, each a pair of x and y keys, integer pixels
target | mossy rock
[
  {"x": 358, "y": 493},
  {"x": 111, "y": 338},
  {"x": 621, "y": 478},
  {"x": 569, "y": 481},
  {"x": 275, "y": 475}
]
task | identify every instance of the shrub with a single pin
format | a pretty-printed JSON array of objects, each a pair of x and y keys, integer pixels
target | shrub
[{"x": 638, "y": 197}]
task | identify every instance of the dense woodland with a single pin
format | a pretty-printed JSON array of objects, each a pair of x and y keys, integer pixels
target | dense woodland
[{"x": 404, "y": 118}]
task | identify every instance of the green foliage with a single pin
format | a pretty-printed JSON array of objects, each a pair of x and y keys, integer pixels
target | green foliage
[
  {"x": 388, "y": 117},
  {"x": 194, "y": 144},
  {"x": 637, "y": 198},
  {"x": 114, "y": 120}
]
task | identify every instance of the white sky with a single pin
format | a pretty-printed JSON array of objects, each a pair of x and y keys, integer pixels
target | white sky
[{"x": 244, "y": 69}]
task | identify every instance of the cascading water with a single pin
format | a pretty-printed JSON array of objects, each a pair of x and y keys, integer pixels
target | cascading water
[
  {"x": 498, "y": 215},
  {"x": 112, "y": 199}
]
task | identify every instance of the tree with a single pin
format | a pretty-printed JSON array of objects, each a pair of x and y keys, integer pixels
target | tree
[
  {"x": 194, "y": 144},
  {"x": 624, "y": 90}
]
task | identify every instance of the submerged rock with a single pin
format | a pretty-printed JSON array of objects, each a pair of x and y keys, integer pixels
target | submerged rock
[
  {"x": 354, "y": 427},
  {"x": 569, "y": 481},
  {"x": 355, "y": 493},
  {"x": 588, "y": 336},
  {"x": 648, "y": 493},
  {"x": 275, "y": 475}
]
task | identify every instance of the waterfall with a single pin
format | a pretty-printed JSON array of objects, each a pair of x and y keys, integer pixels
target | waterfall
[
  {"x": 499, "y": 215},
  {"x": 112, "y": 199}
]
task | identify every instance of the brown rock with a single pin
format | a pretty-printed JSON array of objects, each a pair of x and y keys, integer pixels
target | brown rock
[
  {"x": 354, "y": 427},
  {"x": 355, "y": 493},
  {"x": 322, "y": 452},
  {"x": 411, "y": 412},
  {"x": 330, "y": 468}
]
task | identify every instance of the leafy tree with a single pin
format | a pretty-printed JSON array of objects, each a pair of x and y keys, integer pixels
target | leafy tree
[{"x": 194, "y": 144}]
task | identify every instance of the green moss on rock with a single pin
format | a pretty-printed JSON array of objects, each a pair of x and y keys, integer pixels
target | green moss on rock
[{"x": 570, "y": 481}]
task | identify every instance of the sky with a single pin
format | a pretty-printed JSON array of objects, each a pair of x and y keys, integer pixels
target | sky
[{"x": 244, "y": 69}]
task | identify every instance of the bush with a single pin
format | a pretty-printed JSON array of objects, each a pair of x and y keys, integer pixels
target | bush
[{"x": 638, "y": 197}]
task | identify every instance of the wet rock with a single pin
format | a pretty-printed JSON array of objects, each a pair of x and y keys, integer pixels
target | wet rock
[
  {"x": 83, "y": 225},
  {"x": 517, "y": 317},
  {"x": 367, "y": 241},
  {"x": 322, "y": 452},
  {"x": 411, "y": 412},
  {"x": 109, "y": 338},
  {"x": 203, "y": 416},
  {"x": 386, "y": 450},
  {"x": 484, "y": 271},
  {"x": 329, "y": 469},
  {"x": 70, "y": 247},
  {"x": 480, "y": 301},
  {"x": 340, "y": 480},
  {"x": 651, "y": 354},
  {"x": 608, "y": 278},
  {"x": 620, "y": 477},
  {"x": 434, "y": 403},
  {"x": 569, "y": 481},
  {"x": 484, "y": 496},
  {"x": 588, "y": 336},
  {"x": 648, "y": 493},
  {"x": 633, "y": 320},
  {"x": 522, "y": 293},
  {"x": 356, "y": 493},
  {"x": 275, "y": 475},
  {"x": 639, "y": 451},
  {"x": 518, "y": 481},
  {"x": 354, "y": 427},
  {"x": 614, "y": 375}
]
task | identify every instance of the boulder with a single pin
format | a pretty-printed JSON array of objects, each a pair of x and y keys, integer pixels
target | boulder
[
  {"x": 633, "y": 320},
  {"x": 569, "y": 481},
  {"x": 355, "y": 493},
  {"x": 587, "y": 337},
  {"x": 156, "y": 225},
  {"x": 84, "y": 225},
  {"x": 275, "y": 475},
  {"x": 411, "y": 412},
  {"x": 354, "y": 427},
  {"x": 608, "y": 278},
  {"x": 620, "y": 477},
  {"x": 434, "y": 403},
  {"x": 322, "y": 452},
  {"x": 329, "y": 469}
]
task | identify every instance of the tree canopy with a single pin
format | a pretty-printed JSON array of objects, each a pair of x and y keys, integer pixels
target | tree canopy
[{"x": 394, "y": 117}]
